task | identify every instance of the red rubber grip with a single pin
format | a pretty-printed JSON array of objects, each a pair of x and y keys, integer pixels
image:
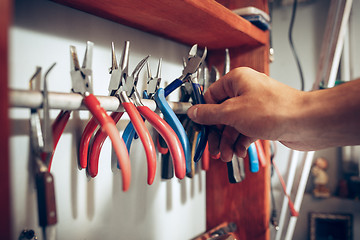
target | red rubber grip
[
  {"x": 58, "y": 127},
  {"x": 161, "y": 149},
  {"x": 170, "y": 137},
  {"x": 85, "y": 141},
  {"x": 206, "y": 158},
  {"x": 96, "y": 146},
  {"x": 261, "y": 153},
  {"x": 145, "y": 137},
  {"x": 99, "y": 117}
]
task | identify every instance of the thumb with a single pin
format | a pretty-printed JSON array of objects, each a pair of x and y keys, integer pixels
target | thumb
[{"x": 207, "y": 114}]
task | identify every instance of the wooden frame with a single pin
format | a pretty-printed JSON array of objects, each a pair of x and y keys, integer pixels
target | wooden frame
[
  {"x": 5, "y": 219},
  {"x": 333, "y": 222}
]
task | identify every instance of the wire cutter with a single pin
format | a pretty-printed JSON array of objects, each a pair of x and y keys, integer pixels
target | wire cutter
[
  {"x": 192, "y": 64},
  {"x": 81, "y": 80},
  {"x": 122, "y": 86},
  {"x": 167, "y": 133},
  {"x": 41, "y": 143},
  {"x": 202, "y": 136}
]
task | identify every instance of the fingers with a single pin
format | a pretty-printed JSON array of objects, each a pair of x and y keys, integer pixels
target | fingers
[
  {"x": 208, "y": 114},
  {"x": 227, "y": 142},
  {"x": 214, "y": 140},
  {"x": 241, "y": 146},
  {"x": 230, "y": 85}
]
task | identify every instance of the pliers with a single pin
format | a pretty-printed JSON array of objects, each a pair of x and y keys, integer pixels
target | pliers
[
  {"x": 167, "y": 133},
  {"x": 198, "y": 98},
  {"x": 42, "y": 148},
  {"x": 92, "y": 161},
  {"x": 81, "y": 81},
  {"x": 122, "y": 85},
  {"x": 193, "y": 62}
]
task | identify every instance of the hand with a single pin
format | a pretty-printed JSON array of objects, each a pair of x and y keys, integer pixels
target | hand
[{"x": 245, "y": 105}]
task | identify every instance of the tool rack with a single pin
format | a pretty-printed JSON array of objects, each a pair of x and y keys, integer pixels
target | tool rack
[{"x": 216, "y": 27}]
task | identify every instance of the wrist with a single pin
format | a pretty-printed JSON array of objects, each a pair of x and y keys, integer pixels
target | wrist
[{"x": 302, "y": 119}]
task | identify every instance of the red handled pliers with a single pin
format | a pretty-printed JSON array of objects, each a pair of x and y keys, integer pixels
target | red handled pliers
[
  {"x": 122, "y": 86},
  {"x": 82, "y": 81},
  {"x": 167, "y": 133}
]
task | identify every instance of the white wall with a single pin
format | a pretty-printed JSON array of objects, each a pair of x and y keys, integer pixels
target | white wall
[
  {"x": 307, "y": 36},
  {"x": 41, "y": 34}
]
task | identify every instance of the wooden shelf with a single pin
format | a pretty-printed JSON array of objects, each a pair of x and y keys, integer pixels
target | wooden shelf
[{"x": 205, "y": 22}]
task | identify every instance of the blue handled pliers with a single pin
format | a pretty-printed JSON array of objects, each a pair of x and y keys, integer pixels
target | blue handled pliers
[{"x": 191, "y": 65}]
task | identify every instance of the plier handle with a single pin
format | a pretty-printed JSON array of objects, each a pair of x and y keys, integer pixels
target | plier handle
[
  {"x": 161, "y": 126},
  {"x": 193, "y": 62},
  {"x": 122, "y": 86},
  {"x": 42, "y": 148},
  {"x": 204, "y": 132},
  {"x": 82, "y": 84}
]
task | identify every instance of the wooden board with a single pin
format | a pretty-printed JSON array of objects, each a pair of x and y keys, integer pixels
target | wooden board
[
  {"x": 5, "y": 226},
  {"x": 205, "y": 22},
  {"x": 246, "y": 203}
]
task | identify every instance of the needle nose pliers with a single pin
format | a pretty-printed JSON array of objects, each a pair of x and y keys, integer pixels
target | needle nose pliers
[
  {"x": 81, "y": 80},
  {"x": 122, "y": 86},
  {"x": 168, "y": 134},
  {"x": 192, "y": 64}
]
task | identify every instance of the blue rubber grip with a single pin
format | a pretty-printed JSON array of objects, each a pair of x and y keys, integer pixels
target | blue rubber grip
[
  {"x": 129, "y": 132},
  {"x": 175, "y": 124},
  {"x": 172, "y": 86},
  {"x": 199, "y": 98},
  {"x": 128, "y": 135},
  {"x": 253, "y": 158}
]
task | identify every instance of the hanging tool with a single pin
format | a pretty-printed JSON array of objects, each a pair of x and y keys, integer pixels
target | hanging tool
[
  {"x": 199, "y": 99},
  {"x": 204, "y": 83},
  {"x": 166, "y": 163},
  {"x": 193, "y": 62},
  {"x": 192, "y": 129},
  {"x": 115, "y": 82},
  {"x": 42, "y": 149},
  {"x": 130, "y": 99},
  {"x": 82, "y": 82},
  {"x": 236, "y": 171},
  {"x": 121, "y": 86},
  {"x": 167, "y": 133}
]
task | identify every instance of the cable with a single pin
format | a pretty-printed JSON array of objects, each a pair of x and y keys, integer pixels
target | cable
[
  {"x": 273, "y": 218},
  {"x": 292, "y": 44}
]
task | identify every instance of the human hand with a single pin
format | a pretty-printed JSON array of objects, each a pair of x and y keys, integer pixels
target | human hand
[{"x": 245, "y": 105}]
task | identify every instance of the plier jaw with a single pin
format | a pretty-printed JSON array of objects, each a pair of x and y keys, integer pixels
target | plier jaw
[
  {"x": 41, "y": 136},
  {"x": 193, "y": 62},
  {"x": 81, "y": 77},
  {"x": 153, "y": 83},
  {"x": 118, "y": 73},
  {"x": 120, "y": 80}
]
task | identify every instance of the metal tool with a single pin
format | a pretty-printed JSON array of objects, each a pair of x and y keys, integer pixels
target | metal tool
[
  {"x": 193, "y": 62},
  {"x": 236, "y": 171},
  {"x": 41, "y": 144},
  {"x": 167, "y": 133},
  {"x": 82, "y": 83},
  {"x": 201, "y": 139},
  {"x": 121, "y": 85}
]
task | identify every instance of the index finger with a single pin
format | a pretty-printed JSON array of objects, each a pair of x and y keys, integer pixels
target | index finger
[{"x": 226, "y": 87}]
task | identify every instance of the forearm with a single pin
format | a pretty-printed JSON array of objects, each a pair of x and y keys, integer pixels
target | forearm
[{"x": 326, "y": 118}]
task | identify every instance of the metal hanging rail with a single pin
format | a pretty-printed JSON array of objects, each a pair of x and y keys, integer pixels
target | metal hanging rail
[{"x": 74, "y": 101}]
